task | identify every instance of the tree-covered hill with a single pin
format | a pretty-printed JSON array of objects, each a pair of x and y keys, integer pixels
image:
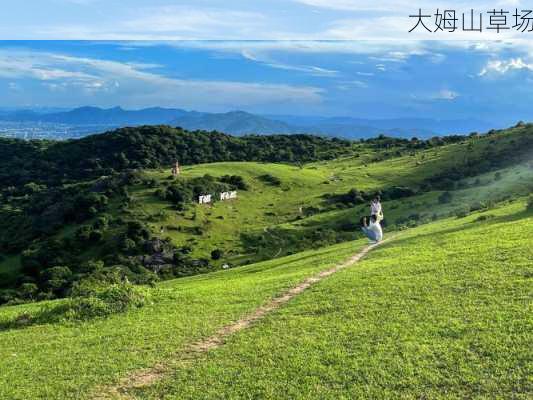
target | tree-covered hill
[
  {"x": 151, "y": 147},
  {"x": 107, "y": 204}
]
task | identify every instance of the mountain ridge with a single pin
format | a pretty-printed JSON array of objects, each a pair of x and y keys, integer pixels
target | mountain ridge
[{"x": 240, "y": 122}]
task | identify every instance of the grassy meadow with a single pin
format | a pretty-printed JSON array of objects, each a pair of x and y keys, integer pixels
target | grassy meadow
[
  {"x": 264, "y": 207},
  {"x": 443, "y": 311},
  {"x": 58, "y": 361}
]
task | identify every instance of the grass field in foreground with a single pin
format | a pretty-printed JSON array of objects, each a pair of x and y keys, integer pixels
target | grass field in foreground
[
  {"x": 444, "y": 311},
  {"x": 66, "y": 361}
]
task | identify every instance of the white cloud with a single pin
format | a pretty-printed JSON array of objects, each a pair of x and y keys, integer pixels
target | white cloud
[
  {"x": 441, "y": 95},
  {"x": 446, "y": 94},
  {"x": 503, "y": 66},
  {"x": 308, "y": 69},
  {"x": 354, "y": 83},
  {"x": 358, "y": 5},
  {"x": 165, "y": 23},
  {"x": 208, "y": 19},
  {"x": 403, "y": 6},
  {"x": 16, "y": 64},
  {"x": 134, "y": 82},
  {"x": 193, "y": 22}
]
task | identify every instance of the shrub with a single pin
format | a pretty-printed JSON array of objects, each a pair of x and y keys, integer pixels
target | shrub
[
  {"x": 484, "y": 217},
  {"x": 83, "y": 233},
  {"x": 216, "y": 254},
  {"x": 127, "y": 245},
  {"x": 137, "y": 231},
  {"x": 236, "y": 181},
  {"x": 84, "y": 308},
  {"x": 96, "y": 236},
  {"x": 89, "y": 299},
  {"x": 529, "y": 206},
  {"x": 102, "y": 222},
  {"x": 445, "y": 198},
  {"x": 397, "y": 192},
  {"x": 100, "y": 301},
  {"x": 270, "y": 179},
  {"x": 462, "y": 213},
  {"x": 7, "y": 295},
  {"x": 56, "y": 279},
  {"x": 309, "y": 211},
  {"x": 28, "y": 291},
  {"x": 476, "y": 206}
]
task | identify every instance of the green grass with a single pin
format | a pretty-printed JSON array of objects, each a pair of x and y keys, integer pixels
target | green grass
[
  {"x": 68, "y": 360},
  {"x": 441, "y": 311},
  {"x": 444, "y": 311}
]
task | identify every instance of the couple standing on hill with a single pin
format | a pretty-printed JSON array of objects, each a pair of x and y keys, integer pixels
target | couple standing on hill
[{"x": 371, "y": 226}]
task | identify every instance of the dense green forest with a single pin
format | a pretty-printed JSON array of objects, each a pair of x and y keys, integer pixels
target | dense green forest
[
  {"x": 58, "y": 162},
  {"x": 151, "y": 147}
]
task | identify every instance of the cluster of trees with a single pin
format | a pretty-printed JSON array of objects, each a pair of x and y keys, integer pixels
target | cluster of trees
[
  {"x": 270, "y": 179},
  {"x": 52, "y": 163},
  {"x": 385, "y": 142},
  {"x": 354, "y": 197},
  {"x": 101, "y": 243},
  {"x": 52, "y": 267},
  {"x": 185, "y": 191},
  {"x": 41, "y": 213}
]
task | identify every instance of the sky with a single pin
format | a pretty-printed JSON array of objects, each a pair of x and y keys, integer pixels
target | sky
[
  {"x": 233, "y": 19},
  {"x": 303, "y": 57}
]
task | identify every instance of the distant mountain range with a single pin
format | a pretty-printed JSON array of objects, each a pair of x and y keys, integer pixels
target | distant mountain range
[{"x": 241, "y": 123}]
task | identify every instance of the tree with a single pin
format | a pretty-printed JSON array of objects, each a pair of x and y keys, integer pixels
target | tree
[
  {"x": 28, "y": 291},
  {"x": 216, "y": 254},
  {"x": 445, "y": 198}
]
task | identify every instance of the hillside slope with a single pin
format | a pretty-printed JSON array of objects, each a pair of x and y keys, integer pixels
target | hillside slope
[
  {"x": 459, "y": 289},
  {"x": 85, "y": 355},
  {"x": 146, "y": 225},
  {"x": 441, "y": 312}
]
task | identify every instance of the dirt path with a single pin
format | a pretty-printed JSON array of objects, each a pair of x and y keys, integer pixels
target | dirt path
[{"x": 149, "y": 376}]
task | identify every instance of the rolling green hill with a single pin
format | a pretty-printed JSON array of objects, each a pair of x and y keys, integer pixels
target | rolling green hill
[
  {"x": 442, "y": 310},
  {"x": 109, "y": 205},
  {"x": 95, "y": 232}
]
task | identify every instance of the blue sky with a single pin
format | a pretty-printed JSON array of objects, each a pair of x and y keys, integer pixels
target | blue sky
[
  {"x": 448, "y": 80},
  {"x": 231, "y": 19},
  {"x": 322, "y": 57}
]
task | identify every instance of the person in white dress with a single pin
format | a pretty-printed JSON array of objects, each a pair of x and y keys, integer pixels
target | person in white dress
[
  {"x": 372, "y": 229},
  {"x": 376, "y": 209}
]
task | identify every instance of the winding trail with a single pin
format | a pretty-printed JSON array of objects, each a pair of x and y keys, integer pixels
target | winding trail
[{"x": 146, "y": 377}]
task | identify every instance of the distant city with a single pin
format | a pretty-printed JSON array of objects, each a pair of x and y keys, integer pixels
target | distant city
[{"x": 48, "y": 130}]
